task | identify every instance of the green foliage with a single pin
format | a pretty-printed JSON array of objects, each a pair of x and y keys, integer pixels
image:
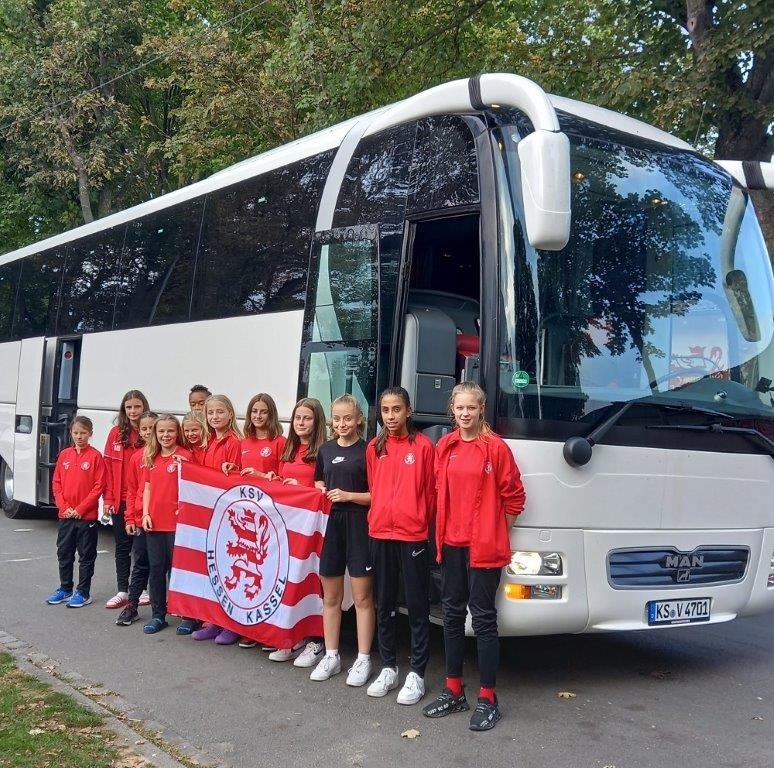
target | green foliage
[{"x": 211, "y": 82}]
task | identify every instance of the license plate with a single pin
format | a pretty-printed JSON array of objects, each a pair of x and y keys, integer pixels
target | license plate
[{"x": 685, "y": 611}]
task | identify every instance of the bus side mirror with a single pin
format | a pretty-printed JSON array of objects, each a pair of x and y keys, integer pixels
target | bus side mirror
[{"x": 544, "y": 157}]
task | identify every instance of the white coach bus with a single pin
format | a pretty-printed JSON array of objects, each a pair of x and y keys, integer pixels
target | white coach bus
[{"x": 607, "y": 285}]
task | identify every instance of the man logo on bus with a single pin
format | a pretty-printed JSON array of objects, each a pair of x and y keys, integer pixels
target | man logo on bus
[
  {"x": 409, "y": 458},
  {"x": 247, "y": 555}
]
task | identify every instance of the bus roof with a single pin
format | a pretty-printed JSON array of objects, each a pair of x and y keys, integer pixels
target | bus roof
[{"x": 331, "y": 138}]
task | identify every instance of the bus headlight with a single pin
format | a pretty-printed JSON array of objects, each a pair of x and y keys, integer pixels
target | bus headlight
[{"x": 534, "y": 564}]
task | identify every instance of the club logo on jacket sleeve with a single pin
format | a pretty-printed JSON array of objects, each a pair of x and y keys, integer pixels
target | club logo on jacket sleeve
[
  {"x": 488, "y": 467},
  {"x": 247, "y": 555}
]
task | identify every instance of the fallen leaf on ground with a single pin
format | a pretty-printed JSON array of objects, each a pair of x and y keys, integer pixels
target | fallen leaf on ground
[
  {"x": 411, "y": 733},
  {"x": 566, "y": 695}
]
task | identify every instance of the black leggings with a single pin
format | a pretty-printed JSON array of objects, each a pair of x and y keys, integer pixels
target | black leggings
[
  {"x": 391, "y": 559},
  {"x": 160, "y": 545},
  {"x": 463, "y": 587},
  {"x": 123, "y": 549}
]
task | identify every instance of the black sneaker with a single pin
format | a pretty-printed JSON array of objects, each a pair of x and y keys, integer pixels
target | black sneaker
[
  {"x": 127, "y": 616},
  {"x": 485, "y": 715},
  {"x": 446, "y": 704}
]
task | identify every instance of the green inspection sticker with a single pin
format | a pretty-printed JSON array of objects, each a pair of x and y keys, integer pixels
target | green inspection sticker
[{"x": 520, "y": 379}]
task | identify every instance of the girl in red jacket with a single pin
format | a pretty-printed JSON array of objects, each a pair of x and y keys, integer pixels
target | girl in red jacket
[
  {"x": 263, "y": 443},
  {"x": 223, "y": 441},
  {"x": 479, "y": 495},
  {"x": 122, "y": 443},
  {"x": 159, "y": 511},
  {"x": 297, "y": 466},
  {"x": 400, "y": 475},
  {"x": 79, "y": 480},
  {"x": 195, "y": 435},
  {"x": 138, "y": 581},
  {"x": 223, "y": 453}
]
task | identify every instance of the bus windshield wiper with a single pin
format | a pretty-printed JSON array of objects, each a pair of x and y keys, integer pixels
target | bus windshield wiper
[
  {"x": 755, "y": 435},
  {"x": 577, "y": 449}
]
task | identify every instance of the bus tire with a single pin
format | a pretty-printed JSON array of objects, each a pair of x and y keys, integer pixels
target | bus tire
[{"x": 13, "y": 509}]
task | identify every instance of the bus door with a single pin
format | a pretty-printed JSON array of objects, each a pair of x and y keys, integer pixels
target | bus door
[
  {"x": 27, "y": 420},
  {"x": 340, "y": 339},
  {"x": 59, "y": 403},
  {"x": 439, "y": 314}
]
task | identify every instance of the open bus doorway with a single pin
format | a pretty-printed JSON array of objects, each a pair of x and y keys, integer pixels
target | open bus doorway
[{"x": 442, "y": 317}]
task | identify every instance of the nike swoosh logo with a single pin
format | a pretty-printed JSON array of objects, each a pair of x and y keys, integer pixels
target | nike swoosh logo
[
  {"x": 91, "y": 525},
  {"x": 417, "y": 552}
]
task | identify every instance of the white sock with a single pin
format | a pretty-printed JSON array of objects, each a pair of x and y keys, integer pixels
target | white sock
[
  {"x": 363, "y": 656},
  {"x": 332, "y": 652}
]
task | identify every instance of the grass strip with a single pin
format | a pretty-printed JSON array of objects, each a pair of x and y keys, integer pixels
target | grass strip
[{"x": 40, "y": 727}]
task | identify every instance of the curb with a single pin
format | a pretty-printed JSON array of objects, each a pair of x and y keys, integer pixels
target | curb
[{"x": 152, "y": 740}]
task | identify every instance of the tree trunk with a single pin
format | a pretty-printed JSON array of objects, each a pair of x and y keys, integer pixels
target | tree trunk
[{"x": 80, "y": 170}]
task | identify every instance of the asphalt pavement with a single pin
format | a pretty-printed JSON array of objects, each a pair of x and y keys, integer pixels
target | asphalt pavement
[{"x": 690, "y": 697}]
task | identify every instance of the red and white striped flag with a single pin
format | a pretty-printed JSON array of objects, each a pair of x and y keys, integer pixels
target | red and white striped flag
[{"x": 247, "y": 555}]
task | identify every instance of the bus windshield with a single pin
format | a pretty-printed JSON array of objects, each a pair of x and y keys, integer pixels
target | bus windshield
[{"x": 664, "y": 292}]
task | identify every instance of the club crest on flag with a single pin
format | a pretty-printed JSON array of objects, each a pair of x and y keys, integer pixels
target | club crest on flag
[{"x": 247, "y": 554}]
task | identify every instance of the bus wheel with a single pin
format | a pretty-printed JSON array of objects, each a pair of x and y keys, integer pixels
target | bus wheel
[{"x": 12, "y": 508}]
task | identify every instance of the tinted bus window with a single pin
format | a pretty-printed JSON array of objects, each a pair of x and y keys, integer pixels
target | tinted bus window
[
  {"x": 377, "y": 180},
  {"x": 37, "y": 300},
  {"x": 90, "y": 282},
  {"x": 9, "y": 277},
  {"x": 445, "y": 171},
  {"x": 157, "y": 267},
  {"x": 255, "y": 242}
]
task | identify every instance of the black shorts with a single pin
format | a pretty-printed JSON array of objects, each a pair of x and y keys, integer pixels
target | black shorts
[{"x": 346, "y": 544}]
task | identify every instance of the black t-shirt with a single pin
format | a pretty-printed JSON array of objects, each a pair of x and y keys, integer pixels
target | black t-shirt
[{"x": 343, "y": 467}]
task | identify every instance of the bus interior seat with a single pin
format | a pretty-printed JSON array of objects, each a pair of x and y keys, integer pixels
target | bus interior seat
[
  {"x": 428, "y": 370},
  {"x": 464, "y": 311}
]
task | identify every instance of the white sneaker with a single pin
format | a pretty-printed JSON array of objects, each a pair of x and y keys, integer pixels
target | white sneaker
[
  {"x": 387, "y": 680},
  {"x": 326, "y": 668},
  {"x": 119, "y": 600},
  {"x": 310, "y": 655},
  {"x": 359, "y": 673},
  {"x": 286, "y": 654},
  {"x": 144, "y": 597},
  {"x": 413, "y": 689}
]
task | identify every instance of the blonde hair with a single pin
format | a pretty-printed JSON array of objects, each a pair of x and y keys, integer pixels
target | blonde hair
[
  {"x": 471, "y": 388},
  {"x": 153, "y": 449},
  {"x": 199, "y": 419},
  {"x": 352, "y": 401},
  {"x": 273, "y": 426},
  {"x": 233, "y": 426}
]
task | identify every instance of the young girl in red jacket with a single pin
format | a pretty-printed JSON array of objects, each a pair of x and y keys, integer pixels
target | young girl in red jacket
[
  {"x": 341, "y": 474},
  {"x": 159, "y": 511},
  {"x": 122, "y": 443},
  {"x": 138, "y": 580},
  {"x": 79, "y": 480},
  {"x": 223, "y": 450},
  {"x": 264, "y": 442},
  {"x": 195, "y": 435},
  {"x": 479, "y": 495},
  {"x": 222, "y": 453},
  {"x": 400, "y": 476},
  {"x": 297, "y": 466},
  {"x": 261, "y": 449}
]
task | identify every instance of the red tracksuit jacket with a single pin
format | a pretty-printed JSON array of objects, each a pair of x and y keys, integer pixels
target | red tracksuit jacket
[
  {"x": 162, "y": 477},
  {"x": 135, "y": 485},
  {"x": 117, "y": 457},
  {"x": 221, "y": 450},
  {"x": 79, "y": 481},
  {"x": 500, "y": 492},
  {"x": 402, "y": 487}
]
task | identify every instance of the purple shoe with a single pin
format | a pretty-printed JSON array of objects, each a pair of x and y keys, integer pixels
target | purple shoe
[
  {"x": 207, "y": 632},
  {"x": 226, "y": 637}
]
